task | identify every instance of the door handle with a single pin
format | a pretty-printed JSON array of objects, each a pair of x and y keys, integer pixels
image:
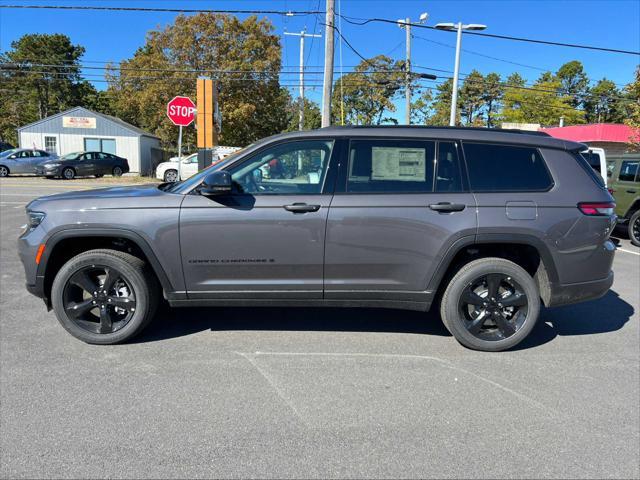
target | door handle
[
  {"x": 445, "y": 207},
  {"x": 301, "y": 208},
  {"x": 631, "y": 191}
]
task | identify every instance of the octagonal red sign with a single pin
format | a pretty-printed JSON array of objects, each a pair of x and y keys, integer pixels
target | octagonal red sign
[{"x": 181, "y": 111}]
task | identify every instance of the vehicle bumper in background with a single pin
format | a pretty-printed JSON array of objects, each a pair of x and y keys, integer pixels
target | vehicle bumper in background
[{"x": 48, "y": 172}]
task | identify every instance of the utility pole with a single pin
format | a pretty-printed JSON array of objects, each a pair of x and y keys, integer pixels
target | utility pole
[
  {"x": 302, "y": 34},
  {"x": 407, "y": 73},
  {"x": 406, "y": 24},
  {"x": 328, "y": 63}
]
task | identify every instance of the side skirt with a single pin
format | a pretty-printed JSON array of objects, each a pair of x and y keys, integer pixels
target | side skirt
[{"x": 395, "y": 304}]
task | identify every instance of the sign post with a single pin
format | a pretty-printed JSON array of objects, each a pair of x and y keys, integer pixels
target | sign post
[{"x": 181, "y": 111}]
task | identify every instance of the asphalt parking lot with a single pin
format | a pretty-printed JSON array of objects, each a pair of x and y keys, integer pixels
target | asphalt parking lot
[{"x": 304, "y": 393}]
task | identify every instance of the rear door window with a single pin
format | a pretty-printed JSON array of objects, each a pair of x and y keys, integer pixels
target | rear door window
[
  {"x": 505, "y": 168},
  {"x": 391, "y": 166},
  {"x": 628, "y": 171}
]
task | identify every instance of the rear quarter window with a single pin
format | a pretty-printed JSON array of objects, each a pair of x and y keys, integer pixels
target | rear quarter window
[{"x": 506, "y": 168}]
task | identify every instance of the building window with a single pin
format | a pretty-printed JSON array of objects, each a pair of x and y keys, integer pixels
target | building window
[
  {"x": 51, "y": 145},
  {"x": 106, "y": 145}
]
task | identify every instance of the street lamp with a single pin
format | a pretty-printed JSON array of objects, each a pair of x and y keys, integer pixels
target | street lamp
[
  {"x": 459, "y": 27},
  {"x": 406, "y": 24}
]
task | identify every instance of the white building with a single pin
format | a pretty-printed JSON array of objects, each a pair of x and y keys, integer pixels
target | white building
[{"x": 80, "y": 129}]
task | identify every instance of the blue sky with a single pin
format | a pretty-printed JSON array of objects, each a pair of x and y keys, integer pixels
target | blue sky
[{"x": 112, "y": 36}]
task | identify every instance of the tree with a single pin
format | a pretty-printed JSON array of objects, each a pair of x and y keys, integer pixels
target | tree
[
  {"x": 32, "y": 92},
  {"x": 602, "y": 103},
  {"x": 633, "y": 111},
  {"x": 312, "y": 115},
  {"x": 441, "y": 106},
  {"x": 368, "y": 92},
  {"x": 471, "y": 98},
  {"x": 491, "y": 96},
  {"x": 538, "y": 104},
  {"x": 421, "y": 108},
  {"x": 244, "y": 56},
  {"x": 573, "y": 82}
]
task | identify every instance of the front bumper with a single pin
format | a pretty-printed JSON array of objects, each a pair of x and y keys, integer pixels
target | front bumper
[{"x": 47, "y": 172}]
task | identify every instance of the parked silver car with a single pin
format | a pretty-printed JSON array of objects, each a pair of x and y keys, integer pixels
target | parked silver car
[{"x": 22, "y": 160}]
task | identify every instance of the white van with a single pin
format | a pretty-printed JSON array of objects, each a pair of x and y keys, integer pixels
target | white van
[{"x": 597, "y": 160}]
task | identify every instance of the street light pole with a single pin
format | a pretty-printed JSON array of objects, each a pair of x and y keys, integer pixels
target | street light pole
[
  {"x": 458, "y": 27},
  {"x": 456, "y": 71}
]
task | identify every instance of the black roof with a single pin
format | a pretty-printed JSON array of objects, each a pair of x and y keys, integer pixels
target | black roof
[{"x": 471, "y": 134}]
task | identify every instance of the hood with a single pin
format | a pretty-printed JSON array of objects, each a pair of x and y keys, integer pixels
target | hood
[{"x": 134, "y": 196}]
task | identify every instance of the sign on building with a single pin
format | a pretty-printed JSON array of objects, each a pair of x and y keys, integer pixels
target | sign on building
[{"x": 79, "y": 122}]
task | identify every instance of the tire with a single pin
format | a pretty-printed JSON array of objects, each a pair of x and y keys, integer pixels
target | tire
[
  {"x": 68, "y": 173},
  {"x": 492, "y": 327},
  {"x": 141, "y": 289},
  {"x": 117, "y": 171},
  {"x": 4, "y": 171},
  {"x": 634, "y": 229},
  {"x": 171, "y": 176}
]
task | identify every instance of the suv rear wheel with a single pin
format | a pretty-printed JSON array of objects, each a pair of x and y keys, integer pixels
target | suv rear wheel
[
  {"x": 104, "y": 296},
  {"x": 491, "y": 304},
  {"x": 634, "y": 229}
]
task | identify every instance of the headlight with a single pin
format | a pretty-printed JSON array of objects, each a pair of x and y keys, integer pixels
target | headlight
[
  {"x": 33, "y": 220},
  {"x": 51, "y": 165}
]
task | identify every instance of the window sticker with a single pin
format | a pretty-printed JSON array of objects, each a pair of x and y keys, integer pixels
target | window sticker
[{"x": 403, "y": 164}]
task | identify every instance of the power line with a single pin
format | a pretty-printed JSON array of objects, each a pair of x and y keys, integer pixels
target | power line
[
  {"x": 364, "y": 21},
  {"x": 288, "y": 13}
]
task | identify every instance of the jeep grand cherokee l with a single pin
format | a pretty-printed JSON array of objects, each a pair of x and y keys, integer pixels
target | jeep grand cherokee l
[{"x": 484, "y": 224}]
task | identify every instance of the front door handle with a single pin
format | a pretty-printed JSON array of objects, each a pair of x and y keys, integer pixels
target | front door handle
[
  {"x": 631, "y": 191},
  {"x": 445, "y": 207},
  {"x": 301, "y": 208}
]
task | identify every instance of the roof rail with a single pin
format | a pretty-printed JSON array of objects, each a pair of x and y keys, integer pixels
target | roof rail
[{"x": 433, "y": 127}]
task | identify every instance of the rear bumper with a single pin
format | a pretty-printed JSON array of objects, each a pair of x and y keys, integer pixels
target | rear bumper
[{"x": 579, "y": 292}]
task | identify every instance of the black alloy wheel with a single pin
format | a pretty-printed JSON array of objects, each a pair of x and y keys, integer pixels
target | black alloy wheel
[
  {"x": 99, "y": 299},
  {"x": 493, "y": 306},
  {"x": 634, "y": 229},
  {"x": 68, "y": 173}
]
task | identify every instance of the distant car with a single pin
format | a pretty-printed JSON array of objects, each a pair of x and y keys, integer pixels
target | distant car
[
  {"x": 597, "y": 159},
  {"x": 82, "y": 164},
  {"x": 624, "y": 185},
  {"x": 5, "y": 146},
  {"x": 22, "y": 160},
  {"x": 168, "y": 171}
]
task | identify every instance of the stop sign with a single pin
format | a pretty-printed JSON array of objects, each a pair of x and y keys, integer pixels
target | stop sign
[{"x": 181, "y": 111}]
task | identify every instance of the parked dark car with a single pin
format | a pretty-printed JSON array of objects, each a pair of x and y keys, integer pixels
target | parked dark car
[
  {"x": 5, "y": 146},
  {"x": 22, "y": 160},
  {"x": 484, "y": 225},
  {"x": 83, "y": 164}
]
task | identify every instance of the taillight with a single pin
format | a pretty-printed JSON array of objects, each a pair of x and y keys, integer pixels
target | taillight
[{"x": 597, "y": 208}]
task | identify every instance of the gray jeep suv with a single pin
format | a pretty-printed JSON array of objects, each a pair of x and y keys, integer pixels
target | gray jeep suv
[{"x": 486, "y": 224}]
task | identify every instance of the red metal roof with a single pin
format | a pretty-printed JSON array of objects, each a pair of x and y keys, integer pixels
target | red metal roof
[{"x": 595, "y": 132}]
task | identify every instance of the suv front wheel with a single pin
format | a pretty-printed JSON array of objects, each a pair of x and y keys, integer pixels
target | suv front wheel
[
  {"x": 104, "y": 296},
  {"x": 491, "y": 304}
]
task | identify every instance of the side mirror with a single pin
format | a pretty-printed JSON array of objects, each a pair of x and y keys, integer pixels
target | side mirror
[{"x": 216, "y": 183}]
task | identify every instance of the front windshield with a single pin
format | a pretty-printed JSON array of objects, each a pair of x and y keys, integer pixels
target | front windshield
[
  {"x": 188, "y": 184},
  {"x": 70, "y": 156},
  {"x": 6, "y": 153}
]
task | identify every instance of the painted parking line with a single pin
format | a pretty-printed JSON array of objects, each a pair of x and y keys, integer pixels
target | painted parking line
[{"x": 628, "y": 251}]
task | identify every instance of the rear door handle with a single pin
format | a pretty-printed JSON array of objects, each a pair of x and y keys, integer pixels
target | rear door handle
[
  {"x": 301, "y": 208},
  {"x": 447, "y": 207},
  {"x": 631, "y": 191}
]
